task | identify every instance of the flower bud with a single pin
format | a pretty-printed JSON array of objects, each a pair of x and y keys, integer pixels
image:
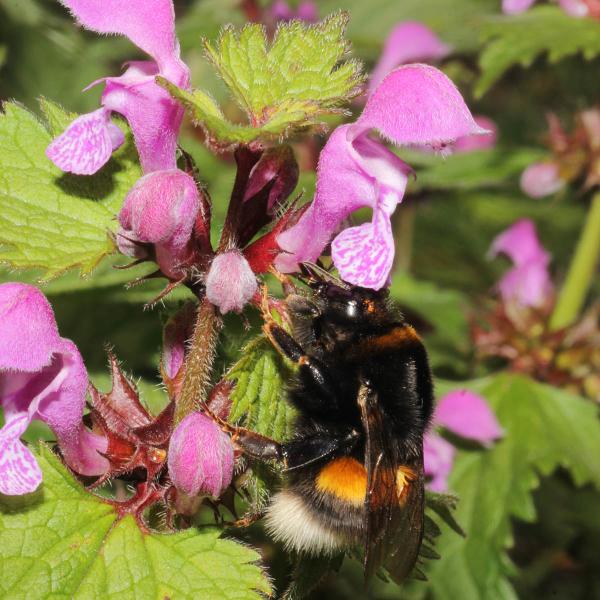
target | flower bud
[
  {"x": 161, "y": 209},
  {"x": 230, "y": 282},
  {"x": 200, "y": 457}
]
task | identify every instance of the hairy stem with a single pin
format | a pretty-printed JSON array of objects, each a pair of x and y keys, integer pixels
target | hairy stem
[
  {"x": 581, "y": 271},
  {"x": 199, "y": 360}
]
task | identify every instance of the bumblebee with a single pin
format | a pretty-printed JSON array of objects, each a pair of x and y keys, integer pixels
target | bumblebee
[{"x": 364, "y": 397}]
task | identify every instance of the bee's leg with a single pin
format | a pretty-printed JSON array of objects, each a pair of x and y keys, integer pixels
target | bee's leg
[
  {"x": 247, "y": 520},
  {"x": 312, "y": 370},
  {"x": 257, "y": 446},
  {"x": 305, "y": 451}
]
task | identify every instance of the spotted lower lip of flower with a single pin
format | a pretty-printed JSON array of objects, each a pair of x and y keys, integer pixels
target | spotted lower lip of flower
[
  {"x": 414, "y": 105},
  {"x": 42, "y": 376},
  {"x": 407, "y": 42},
  {"x": 200, "y": 457},
  {"x": 154, "y": 117},
  {"x": 528, "y": 283}
]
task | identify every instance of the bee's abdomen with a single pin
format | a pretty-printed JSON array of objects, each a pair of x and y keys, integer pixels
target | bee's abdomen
[{"x": 322, "y": 511}]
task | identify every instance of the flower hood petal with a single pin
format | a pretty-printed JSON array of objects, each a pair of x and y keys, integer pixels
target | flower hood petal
[
  {"x": 418, "y": 105},
  {"x": 468, "y": 415},
  {"x": 28, "y": 329},
  {"x": 521, "y": 244},
  {"x": 149, "y": 24}
]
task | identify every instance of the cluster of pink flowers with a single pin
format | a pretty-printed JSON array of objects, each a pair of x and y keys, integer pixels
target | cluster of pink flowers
[{"x": 165, "y": 217}]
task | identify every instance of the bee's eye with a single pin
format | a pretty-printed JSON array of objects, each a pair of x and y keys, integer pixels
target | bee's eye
[{"x": 369, "y": 306}]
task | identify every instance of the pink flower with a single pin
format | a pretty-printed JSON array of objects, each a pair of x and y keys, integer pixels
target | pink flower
[
  {"x": 230, "y": 282},
  {"x": 160, "y": 209},
  {"x": 414, "y": 105},
  {"x": 465, "y": 414},
  {"x": 307, "y": 11},
  {"x": 528, "y": 283},
  {"x": 154, "y": 117},
  {"x": 575, "y": 8},
  {"x": 407, "y": 42},
  {"x": 200, "y": 457},
  {"x": 471, "y": 143},
  {"x": 42, "y": 376},
  {"x": 541, "y": 179}
]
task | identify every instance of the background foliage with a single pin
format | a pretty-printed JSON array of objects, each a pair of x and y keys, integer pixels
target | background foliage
[{"x": 529, "y": 505}]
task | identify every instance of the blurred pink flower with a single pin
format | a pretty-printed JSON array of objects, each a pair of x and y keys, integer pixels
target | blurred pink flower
[
  {"x": 407, "y": 42},
  {"x": 575, "y": 8},
  {"x": 415, "y": 105},
  {"x": 154, "y": 117},
  {"x": 541, "y": 179},
  {"x": 200, "y": 457},
  {"x": 42, "y": 376},
  {"x": 470, "y": 143},
  {"x": 465, "y": 414},
  {"x": 528, "y": 283},
  {"x": 307, "y": 11}
]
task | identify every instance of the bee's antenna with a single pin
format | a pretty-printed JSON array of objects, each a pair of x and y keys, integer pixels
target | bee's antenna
[{"x": 316, "y": 273}]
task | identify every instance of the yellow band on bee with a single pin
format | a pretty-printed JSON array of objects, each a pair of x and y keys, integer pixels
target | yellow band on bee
[{"x": 344, "y": 478}]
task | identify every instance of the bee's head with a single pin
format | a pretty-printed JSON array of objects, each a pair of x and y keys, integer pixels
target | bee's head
[{"x": 351, "y": 305}]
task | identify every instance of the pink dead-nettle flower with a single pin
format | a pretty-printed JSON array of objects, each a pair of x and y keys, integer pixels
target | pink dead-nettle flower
[
  {"x": 486, "y": 141},
  {"x": 42, "y": 376},
  {"x": 307, "y": 11},
  {"x": 575, "y": 8},
  {"x": 407, "y": 42},
  {"x": 154, "y": 117},
  {"x": 542, "y": 179},
  {"x": 415, "y": 105},
  {"x": 465, "y": 414},
  {"x": 528, "y": 283},
  {"x": 201, "y": 457}
]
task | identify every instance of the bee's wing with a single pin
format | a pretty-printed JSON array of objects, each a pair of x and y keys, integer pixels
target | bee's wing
[{"x": 395, "y": 497}]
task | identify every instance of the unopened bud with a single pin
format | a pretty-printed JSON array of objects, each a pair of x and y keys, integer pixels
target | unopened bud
[{"x": 200, "y": 457}]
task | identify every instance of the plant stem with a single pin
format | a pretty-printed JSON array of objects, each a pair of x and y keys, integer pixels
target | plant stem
[
  {"x": 199, "y": 361},
  {"x": 581, "y": 271}
]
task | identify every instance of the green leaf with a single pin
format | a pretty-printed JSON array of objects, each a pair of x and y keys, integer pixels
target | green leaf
[
  {"x": 470, "y": 170},
  {"x": 51, "y": 220},
  {"x": 259, "y": 398},
  {"x": 283, "y": 86},
  {"x": 308, "y": 573},
  {"x": 63, "y": 542},
  {"x": 521, "y": 39},
  {"x": 545, "y": 428}
]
